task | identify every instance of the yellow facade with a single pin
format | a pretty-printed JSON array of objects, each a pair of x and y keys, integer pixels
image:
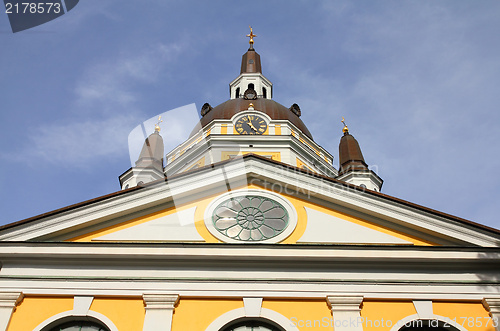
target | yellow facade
[{"x": 196, "y": 314}]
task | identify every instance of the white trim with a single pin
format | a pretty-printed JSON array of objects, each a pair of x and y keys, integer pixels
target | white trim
[
  {"x": 235, "y": 314},
  {"x": 423, "y": 308},
  {"x": 8, "y": 302},
  {"x": 70, "y": 313},
  {"x": 346, "y": 312},
  {"x": 159, "y": 311},
  {"x": 399, "y": 324},
  {"x": 81, "y": 305},
  {"x": 492, "y": 305},
  {"x": 251, "y": 111},
  {"x": 292, "y": 215},
  {"x": 253, "y": 306},
  {"x": 393, "y": 212}
]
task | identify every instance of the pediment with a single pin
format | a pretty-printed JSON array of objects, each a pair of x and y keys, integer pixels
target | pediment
[{"x": 328, "y": 212}]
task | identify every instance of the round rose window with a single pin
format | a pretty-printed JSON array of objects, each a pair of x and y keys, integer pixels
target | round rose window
[{"x": 250, "y": 218}]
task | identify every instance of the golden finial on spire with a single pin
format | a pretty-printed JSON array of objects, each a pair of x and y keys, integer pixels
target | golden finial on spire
[
  {"x": 345, "y": 129},
  {"x": 157, "y": 125},
  {"x": 251, "y": 35}
]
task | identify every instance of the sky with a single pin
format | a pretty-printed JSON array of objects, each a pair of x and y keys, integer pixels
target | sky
[{"x": 417, "y": 82}]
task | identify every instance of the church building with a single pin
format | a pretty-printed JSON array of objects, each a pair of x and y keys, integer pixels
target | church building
[{"x": 248, "y": 226}]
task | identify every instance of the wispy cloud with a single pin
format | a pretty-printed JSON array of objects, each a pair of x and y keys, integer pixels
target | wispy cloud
[
  {"x": 103, "y": 113},
  {"x": 113, "y": 82}
]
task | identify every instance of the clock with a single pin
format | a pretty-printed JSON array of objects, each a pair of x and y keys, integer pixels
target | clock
[{"x": 251, "y": 124}]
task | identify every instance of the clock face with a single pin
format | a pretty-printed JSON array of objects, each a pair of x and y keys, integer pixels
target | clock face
[{"x": 251, "y": 124}]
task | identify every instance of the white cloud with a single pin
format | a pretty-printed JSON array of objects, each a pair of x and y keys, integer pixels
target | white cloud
[
  {"x": 103, "y": 113},
  {"x": 113, "y": 83},
  {"x": 78, "y": 144}
]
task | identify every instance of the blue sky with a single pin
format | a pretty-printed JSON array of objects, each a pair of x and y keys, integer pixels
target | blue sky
[{"x": 417, "y": 81}]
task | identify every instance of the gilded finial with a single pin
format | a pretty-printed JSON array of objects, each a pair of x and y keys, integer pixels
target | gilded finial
[
  {"x": 345, "y": 129},
  {"x": 251, "y": 35},
  {"x": 250, "y": 105},
  {"x": 157, "y": 125}
]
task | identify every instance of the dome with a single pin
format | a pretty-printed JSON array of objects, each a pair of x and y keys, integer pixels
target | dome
[
  {"x": 273, "y": 109},
  {"x": 350, "y": 156}
]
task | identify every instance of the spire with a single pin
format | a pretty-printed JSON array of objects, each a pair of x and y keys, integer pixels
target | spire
[
  {"x": 152, "y": 151},
  {"x": 251, "y": 83},
  {"x": 353, "y": 168},
  {"x": 350, "y": 156},
  {"x": 149, "y": 165}
]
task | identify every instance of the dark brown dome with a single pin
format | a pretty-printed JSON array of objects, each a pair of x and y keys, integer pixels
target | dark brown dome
[
  {"x": 273, "y": 109},
  {"x": 152, "y": 152},
  {"x": 350, "y": 156}
]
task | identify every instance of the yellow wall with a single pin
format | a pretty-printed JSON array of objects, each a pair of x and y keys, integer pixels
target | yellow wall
[
  {"x": 34, "y": 310},
  {"x": 126, "y": 313},
  {"x": 305, "y": 314},
  {"x": 472, "y": 316},
  {"x": 377, "y": 314},
  {"x": 226, "y": 155},
  {"x": 197, "y": 314}
]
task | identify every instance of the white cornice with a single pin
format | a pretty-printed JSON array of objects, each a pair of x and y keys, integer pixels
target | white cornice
[{"x": 246, "y": 170}]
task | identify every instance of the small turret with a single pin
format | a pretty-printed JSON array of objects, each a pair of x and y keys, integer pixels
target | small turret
[
  {"x": 251, "y": 84},
  {"x": 149, "y": 165},
  {"x": 353, "y": 168}
]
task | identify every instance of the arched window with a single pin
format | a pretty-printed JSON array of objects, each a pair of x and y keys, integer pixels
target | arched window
[
  {"x": 79, "y": 326},
  {"x": 251, "y": 325},
  {"x": 427, "y": 325},
  {"x": 237, "y": 94},
  {"x": 264, "y": 93},
  {"x": 251, "y": 86}
]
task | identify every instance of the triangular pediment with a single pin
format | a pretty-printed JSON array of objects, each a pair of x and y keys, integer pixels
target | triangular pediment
[
  {"x": 173, "y": 227},
  {"x": 328, "y": 229},
  {"x": 181, "y": 210}
]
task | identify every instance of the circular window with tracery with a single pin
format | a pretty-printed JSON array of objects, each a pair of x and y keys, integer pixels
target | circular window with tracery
[{"x": 250, "y": 218}]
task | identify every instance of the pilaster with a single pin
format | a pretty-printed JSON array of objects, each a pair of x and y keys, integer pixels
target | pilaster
[
  {"x": 346, "y": 311},
  {"x": 159, "y": 311}
]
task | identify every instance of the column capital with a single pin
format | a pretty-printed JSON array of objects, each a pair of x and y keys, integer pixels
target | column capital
[
  {"x": 344, "y": 303},
  {"x": 160, "y": 301},
  {"x": 10, "y": 299},
  {"x": 492, "y": 305}
]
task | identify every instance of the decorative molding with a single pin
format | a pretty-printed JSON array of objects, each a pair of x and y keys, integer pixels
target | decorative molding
[
  {"x": 253, "y": 306},
  {"x": 424, "y": 309},
  {"x": 289, "y": 207},
  {"x": 205, "y": 109},
  {"x": 81, "y": 305},
  {"x": 70, "y": 315},
  {"x": 345, "y": 303},
  {"x": 322, "y": 189},
  {"x": 266, "y": 314},
  {"x": 159, "y": 311},
  {"x": 8, "y": 302},
  {"x": 160, "y": 301},
  {"x": 492, "y": 305},
  {"x": 444, "y": 320},
  {"x": 346, "y": 311},
  {"x": 295, "y": 109},
  {"x": 10, "y": 299}
]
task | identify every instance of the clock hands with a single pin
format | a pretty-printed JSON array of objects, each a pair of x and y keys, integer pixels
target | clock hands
[{"x": 251, "y": 125}]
